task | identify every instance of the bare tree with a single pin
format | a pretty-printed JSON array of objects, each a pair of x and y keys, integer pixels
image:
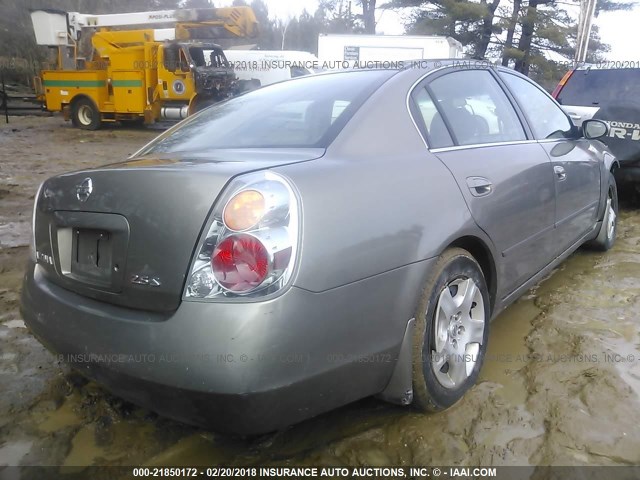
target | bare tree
[
  {"x": 369, "y": 15},
  {"x": 284, "y": 26}
]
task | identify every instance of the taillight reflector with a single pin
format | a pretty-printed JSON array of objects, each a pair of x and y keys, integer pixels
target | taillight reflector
[{"x": 240, "y": 263}]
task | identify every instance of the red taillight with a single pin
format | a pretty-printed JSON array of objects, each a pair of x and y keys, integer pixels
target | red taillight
[
  {"x": 250, "y": 243},
  {"x": 563, "y": 81},
  {"x": 240, "y": 263}
]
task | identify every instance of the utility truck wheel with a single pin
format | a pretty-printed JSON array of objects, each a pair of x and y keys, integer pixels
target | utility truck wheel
[{"x": 85, "y": 115}]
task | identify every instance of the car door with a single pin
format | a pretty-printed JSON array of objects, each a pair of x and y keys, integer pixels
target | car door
[
  {"x": 576, "y": 167},
  {"x": 506, "y": 179}
]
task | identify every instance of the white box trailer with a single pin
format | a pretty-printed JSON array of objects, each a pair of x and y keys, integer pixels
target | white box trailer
[{"x": 335, "y": 51}]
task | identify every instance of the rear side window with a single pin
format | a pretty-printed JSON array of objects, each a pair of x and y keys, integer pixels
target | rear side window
[
  {"x": 546, "y": 118},
  {"x": 437, "y": 132},
  {"x": 308, "y": 113},
  {"x": 601, "y": 88},
  {"x": 474, "y": 108}
]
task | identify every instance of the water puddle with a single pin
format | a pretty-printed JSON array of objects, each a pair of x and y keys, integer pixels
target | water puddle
[
  {"x": 84, "y": 450},
  {"x": 63, "y": 417},
  {"x": 198, "y": 449},
  {"x": 101, "y": 444},
  {"x": 507, "y": 352}
]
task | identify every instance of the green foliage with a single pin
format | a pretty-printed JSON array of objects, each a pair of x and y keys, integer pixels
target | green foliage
[
  {"x": 302, "y": 33},
  {"x": 532, "y": 35},
  {"x": 337, "y": 16},
  {"x": 463, "y": 20}
]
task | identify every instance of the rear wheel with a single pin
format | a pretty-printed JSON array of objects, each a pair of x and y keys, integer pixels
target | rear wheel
[
  {"x": 85, "y": 115},
  {"x": 452, "y": 328},
  {"x": 608, "y": 230}
]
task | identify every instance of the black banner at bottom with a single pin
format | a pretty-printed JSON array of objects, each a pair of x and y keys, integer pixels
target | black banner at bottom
[{"x": 322, "y": 472}]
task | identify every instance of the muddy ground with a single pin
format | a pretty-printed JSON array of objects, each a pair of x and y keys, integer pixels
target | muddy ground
[{"x": 561, "y": 385}]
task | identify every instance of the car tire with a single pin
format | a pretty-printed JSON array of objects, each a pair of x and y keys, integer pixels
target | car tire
[
  {"x": 85, "y": 114},
  {"x": 609, "y": 228},
  {"x": 449, "y": 344}
]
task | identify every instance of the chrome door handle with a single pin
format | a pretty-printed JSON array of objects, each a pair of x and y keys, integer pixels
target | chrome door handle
[
  {"x": 479, "y": 186},
  {"x": 560, "y": 173}
]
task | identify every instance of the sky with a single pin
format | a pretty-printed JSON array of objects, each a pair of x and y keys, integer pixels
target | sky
[{"x": 618, "y": 29}]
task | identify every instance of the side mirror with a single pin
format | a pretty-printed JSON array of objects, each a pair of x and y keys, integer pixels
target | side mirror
[{"x": 593, "y": 129}]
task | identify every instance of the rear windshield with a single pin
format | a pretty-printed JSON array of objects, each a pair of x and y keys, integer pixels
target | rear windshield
[
  {"x": 308, "y": 113},
  {"x": 601, "y": 87}
]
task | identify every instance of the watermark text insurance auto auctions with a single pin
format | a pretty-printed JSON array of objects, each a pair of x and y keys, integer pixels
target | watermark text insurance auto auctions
[{"x": 337, "y": 472}]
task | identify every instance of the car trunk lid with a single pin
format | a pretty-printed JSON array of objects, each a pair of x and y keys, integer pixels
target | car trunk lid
[{"x": 125, "y": 233}]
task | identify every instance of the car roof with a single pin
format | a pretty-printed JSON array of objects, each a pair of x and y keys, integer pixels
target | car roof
[{"x": 419, "y": 68}]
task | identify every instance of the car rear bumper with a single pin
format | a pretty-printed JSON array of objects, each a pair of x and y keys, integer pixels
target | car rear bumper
[{"x": 242, "y": 368}]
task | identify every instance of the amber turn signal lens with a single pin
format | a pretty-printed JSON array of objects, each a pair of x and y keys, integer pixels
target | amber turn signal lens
[{"x": 244, "y": 210}]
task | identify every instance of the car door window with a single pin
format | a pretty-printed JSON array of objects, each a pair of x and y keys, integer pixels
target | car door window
[
  {"x": 475, "y": 108},
  {"x": 437, "y": 133},
  {"x": 546, "y": 118}
]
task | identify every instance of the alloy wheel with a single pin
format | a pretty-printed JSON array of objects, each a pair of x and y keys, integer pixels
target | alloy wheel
[{"x": 459, "y": 330}]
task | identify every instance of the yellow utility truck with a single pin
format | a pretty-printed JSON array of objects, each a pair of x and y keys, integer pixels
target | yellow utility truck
[{"x": 138, "y": 75}]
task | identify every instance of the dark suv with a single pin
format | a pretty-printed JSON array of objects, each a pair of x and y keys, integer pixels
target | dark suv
[{"x": 612, "y": 95}]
